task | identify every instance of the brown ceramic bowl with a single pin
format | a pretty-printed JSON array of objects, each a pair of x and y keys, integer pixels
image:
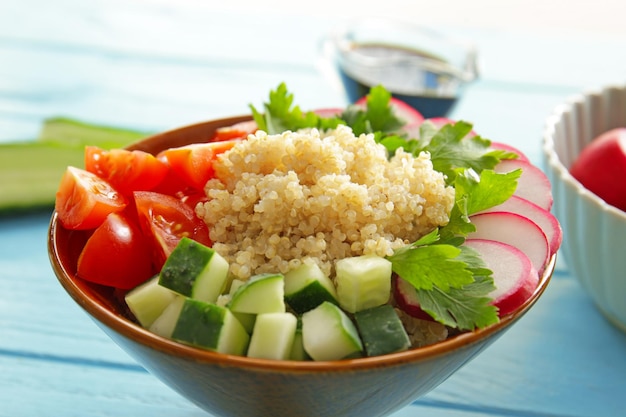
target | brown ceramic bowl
[{"x": 238, "y": 386}]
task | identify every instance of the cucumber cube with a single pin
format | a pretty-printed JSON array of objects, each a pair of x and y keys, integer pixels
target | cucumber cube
[
  {"x": 165, "y": 323},
  {"x": 297, "y": 349},
  {"x": 363, "y": 282},
  {"x": 262, "y": 293},
  {"x": 195, "y": 271},
  {"x": 210, "y": 326},
  {"x": 148, "y": 300},
  {"x": 307, "y": 286},
  {"x": 328, "y": 334},
  {"x": 272, "y": 337},
  {"x": 381, "y": 330}
]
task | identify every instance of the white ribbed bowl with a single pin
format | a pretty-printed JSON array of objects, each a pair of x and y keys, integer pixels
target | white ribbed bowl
[{"x": 594, "y": 233}]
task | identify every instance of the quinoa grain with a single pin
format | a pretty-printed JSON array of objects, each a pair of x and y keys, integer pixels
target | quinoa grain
[{"x": 278, "y": 200}]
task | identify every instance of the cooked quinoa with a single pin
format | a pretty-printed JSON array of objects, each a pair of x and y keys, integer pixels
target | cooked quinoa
[{"x": 278, "y": 199}]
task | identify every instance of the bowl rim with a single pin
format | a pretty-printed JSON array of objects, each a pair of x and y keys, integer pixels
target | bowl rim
[
  {"x": 75, "y": 287},
  {"x": 553, "y": 159}
]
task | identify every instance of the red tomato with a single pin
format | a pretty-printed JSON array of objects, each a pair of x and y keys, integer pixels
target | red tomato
[
  {"x": 172, "y": 184},
  {"x": 117, "y": 254},
  {"x": 601, "y": 167},
  {"x": 239, "y": 130},
  {"x": 167, "y": 219},
  {"x": 84, "y": 200},
  {"x": 126, "y": 170},
  {"x": 194, "y": 163}
]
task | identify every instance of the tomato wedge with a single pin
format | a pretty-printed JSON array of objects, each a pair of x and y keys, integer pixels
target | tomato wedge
[
  {"x": 239, "y": 130},
  {"x": 117, "y": 254},
  {"x": 125, "y": 170},
  {"x": 194, "y": 163},
  {"x": 166, "y": 220},
  {"x": 84, "y": 200}
]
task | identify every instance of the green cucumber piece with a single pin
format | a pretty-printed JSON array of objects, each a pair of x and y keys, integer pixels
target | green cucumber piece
[
  {"x": 362, "y": 282},
  {"x": 307, "y": 286},
  {"x": 297, "y": 348},
  {"x": 247, "y": 320},
  {"x": 272, "y": 337},
  {"x": 328, "y": 334},
  {"x": 78, "y": 134},
  {"x": 164, "y": 324},
  {"x": 30, "y": 174},
  {"x": 262, "y": 293},
  {"x": 30, "y": 171},
  {"x": 195, "y": 270},
  {"x": 209, "y": 326},
  {"x": 381, "y": 330},
  {"x": 148, "y": 300}
]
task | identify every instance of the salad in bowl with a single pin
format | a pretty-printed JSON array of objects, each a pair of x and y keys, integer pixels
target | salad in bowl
[{"x": 295, "y": 254}]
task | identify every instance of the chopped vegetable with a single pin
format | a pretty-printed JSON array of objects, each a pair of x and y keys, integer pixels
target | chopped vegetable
[
  {"x": 195, "y": 270},
  {"x": 84, "y": 200},
  {"x": 329, "y": 334},
  {"x": 381, "y": 330},
  {"x": 30, "y": 170}
]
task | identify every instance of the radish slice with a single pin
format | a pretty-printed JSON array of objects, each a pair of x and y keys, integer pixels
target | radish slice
[
  {"x": 542, "y": 217},
  {"x": 405, "y": 295},
  {"x": 514, "y": 275},
  {"x": 533, "y": 184},
  {"x": 514, "y": 230},
  {"x": 401, "y": 109},
  {"x": 328, "y": 112},
  {"x": 504, "y": 147}
]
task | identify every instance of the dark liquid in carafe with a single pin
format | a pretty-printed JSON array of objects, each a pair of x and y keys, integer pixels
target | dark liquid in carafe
[{"x": 425, "y": 98}]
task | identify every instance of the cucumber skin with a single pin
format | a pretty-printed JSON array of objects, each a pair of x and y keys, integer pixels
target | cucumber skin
[
  {"x": 309, "y": 297},
  {"x": 164, "y": 324},
  {"x": 186, "y": 262},
  {"x": 381, "y": 330},
  {"x": 307, "y": 286},
  {"x": 203, "y": 324}
]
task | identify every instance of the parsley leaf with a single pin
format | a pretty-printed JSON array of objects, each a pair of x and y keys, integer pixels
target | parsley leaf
[
  {"x": 429, "y": 265},
  {"x": 465, "y": 308},
  {"x": 487, "y": 190},
  {"x": 451, "y": 148},
  {"x": 281, "y": 115},
  {"x": 452, "y": 282}
]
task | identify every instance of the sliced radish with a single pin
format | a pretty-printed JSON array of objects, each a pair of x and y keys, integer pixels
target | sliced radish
[
  {"x": 542, "y": 217},
  {"x": 401, "y": 109},
  {"x": 405, "y": 295},
  {"x": 514, "y": 230},
  {"x": 514, "y": 275},
  {"x": 328, "y": 112},
  {"x": 505, "y": 147},
  {"x": 533, "y": 184}
]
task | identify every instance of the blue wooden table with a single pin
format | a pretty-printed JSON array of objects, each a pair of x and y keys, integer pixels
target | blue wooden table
[{"x": 154, "y": 65}]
